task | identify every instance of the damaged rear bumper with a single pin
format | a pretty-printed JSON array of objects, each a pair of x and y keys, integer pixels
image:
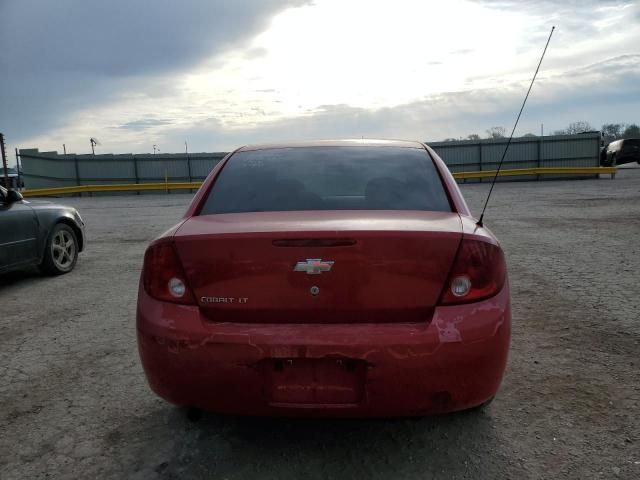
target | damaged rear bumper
[{"x": 452, "y": 363}]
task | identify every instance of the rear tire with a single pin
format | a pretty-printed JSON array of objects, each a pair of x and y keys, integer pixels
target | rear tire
[
  {"x": 194, "y": 414},
  {"x": 61, "y": 251}
]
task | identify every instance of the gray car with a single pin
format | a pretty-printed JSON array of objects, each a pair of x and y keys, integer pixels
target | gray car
[{"x": 38, "y": 233}]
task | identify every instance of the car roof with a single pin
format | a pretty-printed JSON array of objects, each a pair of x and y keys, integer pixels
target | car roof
[{"x": 365, "y": 142}]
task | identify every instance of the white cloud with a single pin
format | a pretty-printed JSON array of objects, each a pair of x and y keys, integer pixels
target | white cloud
[{"x": 406, "y": 68}]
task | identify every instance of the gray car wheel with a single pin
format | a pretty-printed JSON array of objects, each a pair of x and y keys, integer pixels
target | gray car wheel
[{"x": 61, "y": 251}]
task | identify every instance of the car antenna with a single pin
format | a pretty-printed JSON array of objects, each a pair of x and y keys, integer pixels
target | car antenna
[{"x": 504, "y": 154}]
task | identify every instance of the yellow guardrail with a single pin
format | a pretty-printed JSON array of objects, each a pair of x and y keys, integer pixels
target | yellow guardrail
[
  {"x": 515, "y": 172},
  {"x": 120, "y": 187},
  {"x": 141, "y": 187}
]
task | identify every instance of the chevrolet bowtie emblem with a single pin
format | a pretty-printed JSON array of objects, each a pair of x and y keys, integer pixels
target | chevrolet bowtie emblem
[{"x": 313, "y": 266}]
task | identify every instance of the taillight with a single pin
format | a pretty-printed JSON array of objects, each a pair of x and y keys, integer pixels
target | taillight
[
  {"x": 163, "y": 277},
  {"x": 479, "y": 272}
]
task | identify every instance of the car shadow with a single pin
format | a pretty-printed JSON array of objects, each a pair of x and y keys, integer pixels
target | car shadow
[
  {"x": 460, "y": 445},
  {"x": 16, "y": 277}
]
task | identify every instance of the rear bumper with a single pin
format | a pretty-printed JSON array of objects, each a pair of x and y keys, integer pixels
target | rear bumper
[{"x": 455, "y": 362}]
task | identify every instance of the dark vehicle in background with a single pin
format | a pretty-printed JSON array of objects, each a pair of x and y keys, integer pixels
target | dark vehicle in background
[
  {"x": 44, "y": 234},
  {"x": 13, "y": 177},
  {"x": 621, "y": 151}
]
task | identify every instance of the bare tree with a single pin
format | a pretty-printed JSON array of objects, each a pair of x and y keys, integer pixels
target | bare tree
[
  {"x": 575, "y": 127},
  {"x": 496, "y": 132},
  {"x": 632, "y": 131},
  {"x": 613, "y": 130}
]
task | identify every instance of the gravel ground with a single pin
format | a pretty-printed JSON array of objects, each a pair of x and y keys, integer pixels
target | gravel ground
[{"x": 74, "y": 403}]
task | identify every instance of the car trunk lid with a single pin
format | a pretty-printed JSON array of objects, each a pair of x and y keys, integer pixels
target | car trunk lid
[{"x": 319, "y": 267}]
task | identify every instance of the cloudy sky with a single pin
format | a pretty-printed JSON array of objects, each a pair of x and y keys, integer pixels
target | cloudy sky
[{"x": 220, "y": 74}]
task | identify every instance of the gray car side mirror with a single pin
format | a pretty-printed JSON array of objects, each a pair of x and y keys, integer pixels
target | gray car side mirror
[{"x": 13, "y": 196}]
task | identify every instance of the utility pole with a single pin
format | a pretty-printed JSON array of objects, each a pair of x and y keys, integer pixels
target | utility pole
[
  {"x": 94, "y": 141},
  {"x": 541, "y": 149},
  {"x": 4, "y": 162},
  {"x": 19, "y": 168},
  {"x": 186, "y": 151},
  {"x": 64, "y": 148}
]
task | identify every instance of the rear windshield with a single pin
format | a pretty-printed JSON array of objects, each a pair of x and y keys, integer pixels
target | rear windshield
[{"x": 327, "y": 178}]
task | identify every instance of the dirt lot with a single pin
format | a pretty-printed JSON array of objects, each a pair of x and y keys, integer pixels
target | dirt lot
[{"x": 74, "y": 403}]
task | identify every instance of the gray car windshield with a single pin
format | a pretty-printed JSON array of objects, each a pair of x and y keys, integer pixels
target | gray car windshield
[{"x": 328, "y": 178}]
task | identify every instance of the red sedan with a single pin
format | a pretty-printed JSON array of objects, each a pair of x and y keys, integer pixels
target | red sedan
[{"x": 342, "y": 278}]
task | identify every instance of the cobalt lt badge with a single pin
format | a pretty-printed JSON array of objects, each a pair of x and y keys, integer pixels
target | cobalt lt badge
[{"x": 313, "y": 266}]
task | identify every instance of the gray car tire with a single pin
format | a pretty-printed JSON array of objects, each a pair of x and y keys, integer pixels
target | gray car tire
[{"x": 61, "y": 251}]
